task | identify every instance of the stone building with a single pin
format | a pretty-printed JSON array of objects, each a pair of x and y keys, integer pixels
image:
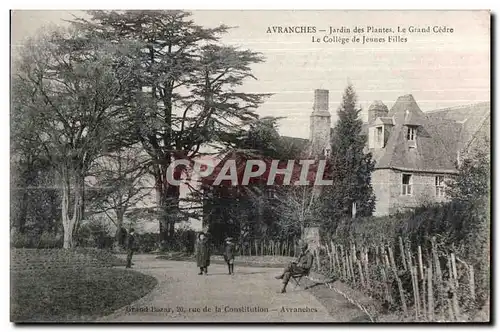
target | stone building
[{"x": 415, "y": 153}]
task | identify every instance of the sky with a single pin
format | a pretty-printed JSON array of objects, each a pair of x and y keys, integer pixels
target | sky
[{"x": 439, "y": 69}]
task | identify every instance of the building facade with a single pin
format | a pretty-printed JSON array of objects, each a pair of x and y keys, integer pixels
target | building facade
[{"x": 415, "y": 153}]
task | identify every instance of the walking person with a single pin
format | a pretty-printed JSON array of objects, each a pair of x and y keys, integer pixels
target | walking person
[
  {"x": 131, "y": 246},
  {"x": 202, "y": 253},
  {"x": 301, "y": 267},
  {"x": 229, "y": 249}
]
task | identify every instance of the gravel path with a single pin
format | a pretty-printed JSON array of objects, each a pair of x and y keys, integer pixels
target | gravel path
[{"x": 251, "y": 295}]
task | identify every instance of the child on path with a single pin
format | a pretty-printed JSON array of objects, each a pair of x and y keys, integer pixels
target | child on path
[{"x": 229, "y": 250}]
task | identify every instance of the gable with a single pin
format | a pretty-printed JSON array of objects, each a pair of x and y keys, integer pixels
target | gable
[{"x": 427, "y": 153}]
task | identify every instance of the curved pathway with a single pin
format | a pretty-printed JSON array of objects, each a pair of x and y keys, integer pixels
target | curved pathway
[{"x": 251, "y": 295}]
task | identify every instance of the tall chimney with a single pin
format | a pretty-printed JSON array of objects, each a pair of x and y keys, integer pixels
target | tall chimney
[
  {"x": 320, "y": 124},
  {"x": 320, "y": 100}
]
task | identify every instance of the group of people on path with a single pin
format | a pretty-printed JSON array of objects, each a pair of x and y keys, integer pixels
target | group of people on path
[
  {"x": 202, "y": 254},
  {"x": 299, "y": 267}
]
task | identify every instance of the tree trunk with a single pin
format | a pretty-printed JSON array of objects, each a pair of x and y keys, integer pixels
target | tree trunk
[
  {"x": 167, "y": 198},
  {"x": 119, "y": 224},
  {"x": 73, "y": 205},
  {"x": 172, "y": 207},
  {"x": 27, "y": 178},
  {"x": 23, "y": 212}
]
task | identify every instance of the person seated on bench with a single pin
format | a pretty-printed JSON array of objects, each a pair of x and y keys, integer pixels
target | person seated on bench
[{"x": 298, "y": 268}]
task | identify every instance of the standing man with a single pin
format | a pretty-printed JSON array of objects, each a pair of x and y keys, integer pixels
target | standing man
[
  {"x": 202, "y": 253},
  {"x": 300, "y": 267},
  {"x": 131, "y": 245},
  {"x": 229, "y": 254}
]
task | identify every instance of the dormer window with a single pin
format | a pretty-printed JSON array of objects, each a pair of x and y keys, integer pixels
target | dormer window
[
  {"x": 411, "y": 134},
  {"x": 379, "y": 136},
  {"x": 328, "y": 152}
]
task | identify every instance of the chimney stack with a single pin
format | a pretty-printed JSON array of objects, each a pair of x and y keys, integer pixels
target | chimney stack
[
  {"x": 320, "y": 100},
  {"x": 320, "y": 124}
]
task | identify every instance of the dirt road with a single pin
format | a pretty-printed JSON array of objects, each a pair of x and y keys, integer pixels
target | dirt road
[{"x": 251, "y": 295}]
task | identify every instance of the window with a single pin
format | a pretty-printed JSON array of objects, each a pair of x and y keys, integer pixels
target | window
[
  {"x": 411, "y": 135},
  {"x": 406, "y": 184},
  {"x": 328, "y": 152},
  {"x": 440, "y": 186},
  {"x": 271, "y": 193},
  {"x": 379, "y": 134}
]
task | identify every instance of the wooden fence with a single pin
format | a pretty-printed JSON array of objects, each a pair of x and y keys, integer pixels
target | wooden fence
[
  {"x": 424, "y": 284},
  {"x": 265, "y": 248}
]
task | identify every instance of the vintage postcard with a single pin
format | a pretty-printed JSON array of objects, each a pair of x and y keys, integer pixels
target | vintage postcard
[{"x": 250, "y": 166}]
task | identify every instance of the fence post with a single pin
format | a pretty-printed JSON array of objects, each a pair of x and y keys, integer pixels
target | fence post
[
  {"x": 438, "y": 274},
  {"x": 345, "y": 268},
  {"x": 430, "y": 295},
  {"x": 342, "y": 261},
  {"x": 398, "y": 280},
  {"x": 351, "y": 265},
  {"x": 402, "y": 250},
  {"x": 471, "y": 284},
  {"x": 327, "y": 248},
  {"x": 361, "y": 276},
  {"x": 318, "y": 263},
  {"x": 424, "y": 305},
  {"x": 349, "y": 278},
  {"x": 454, "y": 284},
  {"x": 449, "y": 303},
  {"x": 366, "y": 266},
  {"x": 417, "y": 291},
  {"x": 420, "y": 264},
  {"x": 385, "y": 269},
  {"x": 414, "y": 281}
]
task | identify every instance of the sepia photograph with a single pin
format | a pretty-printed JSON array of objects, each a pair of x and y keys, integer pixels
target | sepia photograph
[{"x": 250, "y": 166}]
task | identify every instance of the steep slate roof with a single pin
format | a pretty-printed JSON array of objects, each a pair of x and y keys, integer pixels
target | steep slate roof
[
  {"x": 386, "y": 120},
  {"x": 430, "y": 154},
  {"x": 378, "y": 105},
  {"x": 468, "y": 119}
]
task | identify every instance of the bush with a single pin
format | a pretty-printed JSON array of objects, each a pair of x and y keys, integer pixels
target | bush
[
  {"x": 147, "y": 242},
  {"x": 454, "y": 225},
  {"x": 48, "y": 240},
  {"x": 20, "y": 240},
  {"x": 94, "y": 234},
  {"x": 45, "y": 240},
  {"x": 182, "y": 241}
]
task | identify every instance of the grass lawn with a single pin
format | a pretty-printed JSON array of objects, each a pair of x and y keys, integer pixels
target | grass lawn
[{"x": 74, "y": 294}]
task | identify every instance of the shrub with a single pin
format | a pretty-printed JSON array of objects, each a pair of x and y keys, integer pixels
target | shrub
[
  {"x": 147, "y": 242},
  {"x": 455, "y": 226},
  {"x": 49, "y": 240},
  {"x": 20, "y": 240}
]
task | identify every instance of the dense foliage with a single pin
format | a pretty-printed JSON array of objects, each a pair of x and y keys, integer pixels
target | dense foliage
[{"x": 350, "y": 165}]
